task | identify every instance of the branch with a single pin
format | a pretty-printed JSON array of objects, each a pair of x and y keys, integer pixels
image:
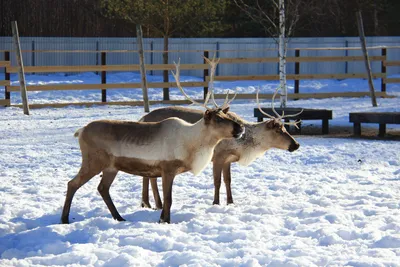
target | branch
[{"x": 251, "y": 12}]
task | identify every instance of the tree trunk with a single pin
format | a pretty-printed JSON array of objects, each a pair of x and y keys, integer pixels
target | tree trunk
[
  {"x": 376, "y": 21},
  {"x": 282, "y": 54}
]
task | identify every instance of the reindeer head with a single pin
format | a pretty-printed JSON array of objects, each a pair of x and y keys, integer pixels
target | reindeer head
[
  {"x": 277, "y": 136},
  {"x": 274, "y": 131},
  {"x": 217, "y": 123}
]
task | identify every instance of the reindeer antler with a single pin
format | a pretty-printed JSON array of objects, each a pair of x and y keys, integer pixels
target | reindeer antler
[
  {"x": 278, "y": 117},
  {"x": 210, "y": 94},
  {"x": 213, "y": 66},
  {"x": 178, "y": 84}
]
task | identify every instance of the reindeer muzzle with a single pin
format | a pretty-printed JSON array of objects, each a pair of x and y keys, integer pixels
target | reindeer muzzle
[{"x": 293, "y": 146}]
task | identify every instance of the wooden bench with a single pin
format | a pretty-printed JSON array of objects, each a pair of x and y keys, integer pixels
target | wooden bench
[
  {"x": 307, "y": 114},
  {"x": 382, "y": 118},
  {"x": 4, "y": 102}
]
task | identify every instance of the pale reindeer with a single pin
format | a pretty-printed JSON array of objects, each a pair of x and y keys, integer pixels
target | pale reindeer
[
  {"x": 151, "y": 149},
  {"x": 259, "y": 138}
]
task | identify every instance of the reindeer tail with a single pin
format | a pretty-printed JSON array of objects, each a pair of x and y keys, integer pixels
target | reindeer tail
[{"x": 78, "y": 132}]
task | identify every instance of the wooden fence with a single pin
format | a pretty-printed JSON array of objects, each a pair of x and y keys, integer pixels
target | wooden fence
[{"x": 104, "y": 86}]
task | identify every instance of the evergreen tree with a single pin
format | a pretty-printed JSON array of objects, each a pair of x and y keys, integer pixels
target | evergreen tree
[{"x": 169, "y": 17}]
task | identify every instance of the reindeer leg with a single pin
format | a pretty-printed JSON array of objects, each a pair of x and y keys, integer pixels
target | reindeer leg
[
  {"x": 217, "y": 172},
  {"x": 167, "y": 181},
  {"x": 84, "y": 175},
  {"x": 227, "y": 181},
  {"x": 104, "y": 190},
  {"x": 145, "y": 193},
  {"x": 156, "y": 194}
]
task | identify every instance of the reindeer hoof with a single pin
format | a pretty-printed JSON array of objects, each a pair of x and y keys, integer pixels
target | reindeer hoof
[
  {"x": 120, "y": 219},
  {"x": 65, "y": 221},
  {"x": 162, "y": 221},
  {"x": 146, "y": 205},
  {"x": 215, "y": 202}
]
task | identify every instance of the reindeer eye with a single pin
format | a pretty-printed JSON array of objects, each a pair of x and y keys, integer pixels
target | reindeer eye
[{"x": 218, "y": 119}]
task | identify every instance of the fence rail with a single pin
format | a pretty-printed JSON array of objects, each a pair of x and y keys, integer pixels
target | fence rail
[
  {"x": 103, "y": 69},
  {"x": 108, "y": 68}
]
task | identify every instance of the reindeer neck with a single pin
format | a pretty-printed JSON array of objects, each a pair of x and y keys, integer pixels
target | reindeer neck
[
  {"x": 202, "y": 145},
  {"x": 199, "y": 131},
  {"x": 250, "y": 144}
]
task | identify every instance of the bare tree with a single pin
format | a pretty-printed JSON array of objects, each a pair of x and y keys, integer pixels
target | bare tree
[{"x": 278, "y": 18}]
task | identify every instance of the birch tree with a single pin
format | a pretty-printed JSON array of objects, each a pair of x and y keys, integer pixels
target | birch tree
[{"x": 278, "y": 20}]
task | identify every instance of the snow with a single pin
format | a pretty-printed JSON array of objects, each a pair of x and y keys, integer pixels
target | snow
[{"x": 335, "y": 201}]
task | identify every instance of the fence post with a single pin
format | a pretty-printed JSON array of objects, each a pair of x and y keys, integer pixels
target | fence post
[
  {"x": 346, "y": 54},
  {"x": 151, "y": 56},
  {"x": 383, "y": 70},
  {"x": 6, "y": 75},
  {"x": 33, "y": 54},
  {"x": 297, "y": 71},
  {"x": 103, "y": 77},
  {"x": 217, "y": 56},
  {"x": 360, "y": 27},
  {"x": 205, "y": 75},
  {"x": 97, "y": 55},
  {"x": 21, "y": 74},
  {"x": 139, "y": 34}
]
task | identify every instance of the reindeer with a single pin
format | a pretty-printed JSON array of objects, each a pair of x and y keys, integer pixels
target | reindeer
[
  {"x": 259, "y": 138},
  {"x": 151, "y": 149}
]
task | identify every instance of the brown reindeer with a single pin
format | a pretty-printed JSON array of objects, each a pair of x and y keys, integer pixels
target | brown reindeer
[
  {"x": 259, "y": 137},
  {"x": 152, "y": 149}
]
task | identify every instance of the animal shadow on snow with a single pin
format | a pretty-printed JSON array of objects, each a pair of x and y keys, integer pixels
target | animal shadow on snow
[
  {"x": 141, "y": 215},
  {"x": 45, "y": 220},
  {"x": 39, "y": 234},
  {"x": 153, "y": 216}
]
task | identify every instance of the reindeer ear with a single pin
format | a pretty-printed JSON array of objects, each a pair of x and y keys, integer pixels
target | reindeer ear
[
  {"x": 225, "y": 110},
  {"x": 207, "y": 115}
]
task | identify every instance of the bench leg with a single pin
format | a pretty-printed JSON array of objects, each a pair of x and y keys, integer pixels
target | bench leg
[
  {"x": 325, "y": 126},
  {"x": 382, "y": 130},
  {"x": 357, "y": 129},
  {"x": 259, "y": 119}
]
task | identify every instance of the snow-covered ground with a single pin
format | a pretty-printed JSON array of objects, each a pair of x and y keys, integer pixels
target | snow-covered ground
[{"x": 333, "y": 202}]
